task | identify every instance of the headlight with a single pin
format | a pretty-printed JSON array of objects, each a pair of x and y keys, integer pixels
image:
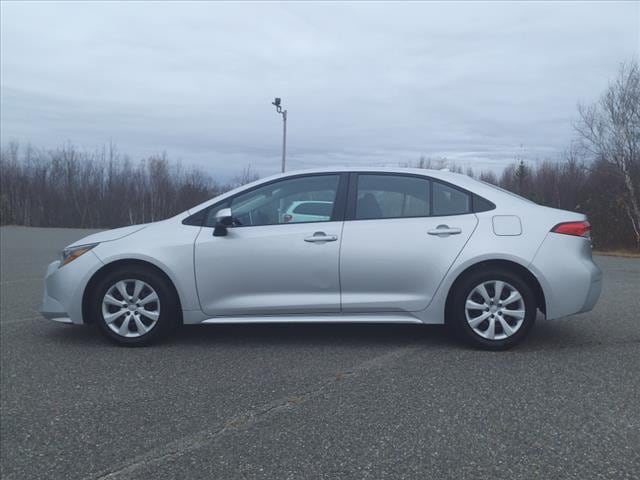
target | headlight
[{"x": 69, "y": 254}]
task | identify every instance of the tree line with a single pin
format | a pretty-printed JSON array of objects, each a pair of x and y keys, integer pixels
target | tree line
[
  {"x": 67, "y": 187},
  {"x": 599, "y": 175}
]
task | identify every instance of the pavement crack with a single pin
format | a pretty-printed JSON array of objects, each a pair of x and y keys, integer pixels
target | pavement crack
[{"x": 244, "y": 420}]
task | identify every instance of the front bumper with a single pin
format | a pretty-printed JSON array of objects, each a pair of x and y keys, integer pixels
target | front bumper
[{"x": 64, "y": 288}]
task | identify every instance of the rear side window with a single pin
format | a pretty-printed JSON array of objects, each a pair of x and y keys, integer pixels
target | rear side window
[
  {"x": 391, "y": 196},
  {"x": 314, "y": 208},
  {"x": 448, "y": 200}
]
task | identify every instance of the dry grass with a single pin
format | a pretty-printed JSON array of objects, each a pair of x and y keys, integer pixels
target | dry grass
[{"x": 618, "y": 253}]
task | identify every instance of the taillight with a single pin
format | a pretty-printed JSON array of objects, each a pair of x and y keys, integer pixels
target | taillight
[{"x": 577, "y": 229}]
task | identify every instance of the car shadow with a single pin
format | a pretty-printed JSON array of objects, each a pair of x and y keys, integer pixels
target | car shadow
[
  {"x": 546, "y": 335},
  {"x": 296, "y": 335},
  {"x": 555, "y": 335},
  {"x": 314, "y": 334}
]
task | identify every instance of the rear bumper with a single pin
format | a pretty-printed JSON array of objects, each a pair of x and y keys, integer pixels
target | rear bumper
[
  {"x": 570, "y": 280},
  {"x": 594, "y": 289}
]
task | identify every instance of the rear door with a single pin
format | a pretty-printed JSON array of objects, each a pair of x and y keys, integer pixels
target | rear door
[{"x": 401, "y": 235}]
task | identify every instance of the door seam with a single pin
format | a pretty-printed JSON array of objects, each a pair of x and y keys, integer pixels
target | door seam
[{"x": 340, "y": 265}]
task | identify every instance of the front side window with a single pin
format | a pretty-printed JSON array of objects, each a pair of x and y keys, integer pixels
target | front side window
[
  {"x": 391, "y": 196},
  {"x": 449, "y": 201},
  {"x": 278, "y": 202}
]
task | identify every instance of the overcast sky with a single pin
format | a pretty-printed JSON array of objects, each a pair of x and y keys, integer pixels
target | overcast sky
[{"x": 364, "y": 83}]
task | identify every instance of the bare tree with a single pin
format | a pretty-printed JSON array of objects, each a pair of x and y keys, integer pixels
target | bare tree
[
  {"x": 610, "y": 130},
  {"x": 247, "y": 176},
  {"x": 489, "y": 177},
  {"x": 441, "y": 163},
  {"x": 66, "y": 187}
]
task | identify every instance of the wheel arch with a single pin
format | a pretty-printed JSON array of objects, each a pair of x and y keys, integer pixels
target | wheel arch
[
  {"x": 509, "y": 265},
  {"x": 110, "y": 267}
]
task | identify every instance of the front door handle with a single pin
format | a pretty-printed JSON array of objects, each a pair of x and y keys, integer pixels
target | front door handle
[
  {"x": 321, "y": 237},
  {"x": 445, "y": 231}
]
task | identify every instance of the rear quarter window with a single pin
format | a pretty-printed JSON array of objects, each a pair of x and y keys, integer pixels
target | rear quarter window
[
  {"x": 482, "y": 204},
  {"x": 448, "y": 200}
]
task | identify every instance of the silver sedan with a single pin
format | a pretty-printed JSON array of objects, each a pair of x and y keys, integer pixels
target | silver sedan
[{"x": 399, "y": 246}]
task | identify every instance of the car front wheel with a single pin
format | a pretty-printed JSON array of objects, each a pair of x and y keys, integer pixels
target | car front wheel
[
  {"x": 135, "y": 306},
  {"x": 493, "y": 309}
]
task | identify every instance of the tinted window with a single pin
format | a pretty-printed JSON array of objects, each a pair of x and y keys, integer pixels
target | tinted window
[
  {"x": 449, "y": 201},
  {"x": 482, "y": 204},
  {"x": 391, "y": 196},
  {"x": 196, "y": 219},
  {"x": 314, "y": 208},
  {"x": 268, "y": 205}
]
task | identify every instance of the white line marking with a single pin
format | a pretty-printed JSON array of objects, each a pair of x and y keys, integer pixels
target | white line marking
[
  {"x": 22, "y": 280},
  {"x": 20, "y": 320}
]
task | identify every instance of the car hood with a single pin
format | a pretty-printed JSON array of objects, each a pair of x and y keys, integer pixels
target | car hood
[{"x": 109, "y": 235}]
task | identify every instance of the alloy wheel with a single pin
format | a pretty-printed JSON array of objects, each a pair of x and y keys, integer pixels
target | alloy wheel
[
  {"x": 131, "y": 308},
  {"x": 495, "y": 310}
]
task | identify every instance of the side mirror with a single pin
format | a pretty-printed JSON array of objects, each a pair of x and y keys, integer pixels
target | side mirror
[{"x": 223, "y": 221}]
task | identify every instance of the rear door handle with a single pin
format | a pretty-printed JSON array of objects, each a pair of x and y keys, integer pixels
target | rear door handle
[
  {"x": 445, "y": 231},
  {"x": 321, "y": 237}
]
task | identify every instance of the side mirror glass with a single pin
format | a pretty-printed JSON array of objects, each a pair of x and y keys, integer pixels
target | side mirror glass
[{"x": 223, "y": 221}]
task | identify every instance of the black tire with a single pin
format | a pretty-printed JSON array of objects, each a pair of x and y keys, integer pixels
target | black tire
[
  {"x": 169, "y": 311},
  {"x": 457, "y": 317}
]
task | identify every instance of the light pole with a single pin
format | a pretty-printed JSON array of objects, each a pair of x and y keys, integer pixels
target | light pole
[{"x": 276, "y": 102}]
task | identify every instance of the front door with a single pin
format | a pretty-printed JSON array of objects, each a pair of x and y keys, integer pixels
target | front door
[
  {"x": 401, "y": 235},
  {"x": 273, "y": 261}
]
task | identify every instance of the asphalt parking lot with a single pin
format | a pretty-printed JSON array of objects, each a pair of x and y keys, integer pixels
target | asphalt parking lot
[{"x": 305, "y": 402}]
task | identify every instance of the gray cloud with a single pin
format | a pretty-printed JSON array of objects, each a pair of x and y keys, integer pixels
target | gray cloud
[{"x": 365, "y": 83}]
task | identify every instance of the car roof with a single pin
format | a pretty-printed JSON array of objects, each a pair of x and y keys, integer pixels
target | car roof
[
  {"x": 459, "y": 179},
  {"x": 445, "y": 175}
]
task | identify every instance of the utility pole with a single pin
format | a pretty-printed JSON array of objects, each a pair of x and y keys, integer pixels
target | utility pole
[{"x": 277, "y": 102}]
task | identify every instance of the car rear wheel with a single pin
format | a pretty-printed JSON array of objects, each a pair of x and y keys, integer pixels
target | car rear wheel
[
  {"x": 135, "y": 306},
  {"x": 492, "y": 309}
]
